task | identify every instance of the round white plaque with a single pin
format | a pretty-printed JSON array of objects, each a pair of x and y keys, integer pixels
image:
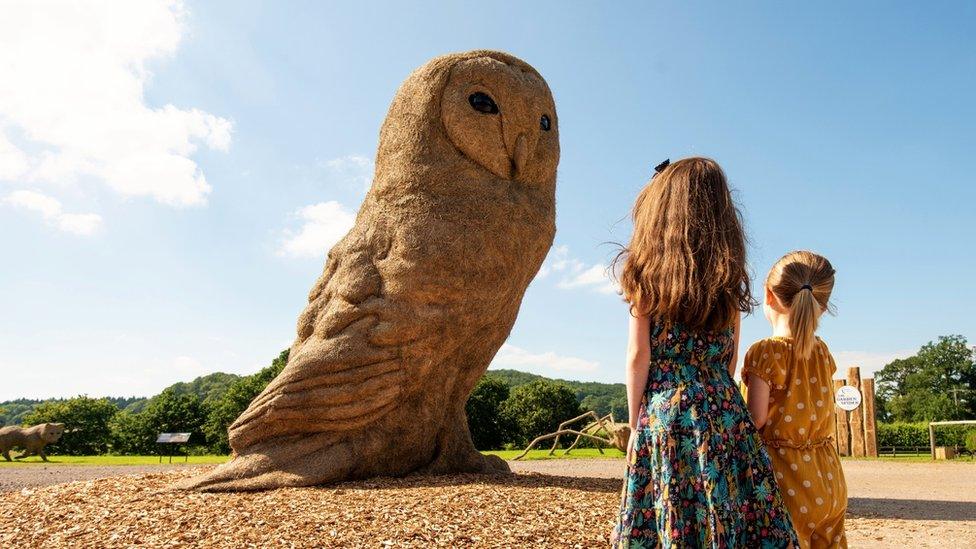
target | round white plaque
[{"x": 848, "y": 398}]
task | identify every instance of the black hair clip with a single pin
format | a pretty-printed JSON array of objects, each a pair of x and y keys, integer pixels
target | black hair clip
[
  {"x": 806, "y": 287},
  {"x": 660, "y": 167}
]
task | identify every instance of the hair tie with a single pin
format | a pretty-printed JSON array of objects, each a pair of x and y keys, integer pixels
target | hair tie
[
  {"x": 806, "y": 287},
  {"x": 660, "y": 167}
]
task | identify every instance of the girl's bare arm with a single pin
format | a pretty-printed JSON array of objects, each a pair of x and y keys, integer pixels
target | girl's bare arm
[
  {"x": 638, "y": 360},
  {"x": 758, "y": 400},
  {"x": 735, "y": 345}
]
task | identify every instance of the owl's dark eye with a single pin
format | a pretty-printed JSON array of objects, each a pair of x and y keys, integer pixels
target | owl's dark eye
[
  {"x": 482, "y": 102},
  {"x": 544, "y": 122}
]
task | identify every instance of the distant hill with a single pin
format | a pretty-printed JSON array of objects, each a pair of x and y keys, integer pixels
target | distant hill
[
  {"x": 208, "y": 388},
  {"x": 602, "y": 398},
  {"x": 12, "y": 412}
]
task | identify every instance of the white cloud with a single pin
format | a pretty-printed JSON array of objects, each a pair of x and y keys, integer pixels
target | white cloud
[
  {"x": 595, "y": 277},
  {"x": 869, "y": 362},
  {"x": 13, "y": 161},
  {"x": 510, "y": 356},
  {"x": 50, "y": 210},
  {"x": 34, "y": 201},
  {"x": 353, "y": 169},
  {"x": 558, "y": 260},
  {"x": 72, "y": 102},
  {"x": 83, "y": 224},
  {"x": 576, "y": 274},
  {"x": 323, "y": 225}
]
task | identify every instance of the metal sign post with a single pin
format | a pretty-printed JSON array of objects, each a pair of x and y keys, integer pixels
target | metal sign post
[{"x": 174, "y": 440}]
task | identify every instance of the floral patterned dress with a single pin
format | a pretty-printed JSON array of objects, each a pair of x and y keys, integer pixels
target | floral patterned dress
[{"x": 698, "y": 475}]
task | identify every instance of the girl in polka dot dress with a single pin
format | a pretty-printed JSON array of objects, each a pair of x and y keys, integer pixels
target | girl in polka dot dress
[{"x": 789, "y": 396}]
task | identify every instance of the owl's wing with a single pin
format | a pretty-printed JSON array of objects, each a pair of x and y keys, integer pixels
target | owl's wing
[{"x": 343, "y": 372}]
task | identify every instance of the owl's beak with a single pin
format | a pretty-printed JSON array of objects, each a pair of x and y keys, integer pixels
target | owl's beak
[{"x": 521, "y": 155}]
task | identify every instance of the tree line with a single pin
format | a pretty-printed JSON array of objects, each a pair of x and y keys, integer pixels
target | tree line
[
  {"x": 506, "y": 409},
  {"x": 204, "y": 407}
]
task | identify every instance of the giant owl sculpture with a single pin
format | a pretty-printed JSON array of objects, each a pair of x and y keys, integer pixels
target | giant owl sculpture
[{"x": 417, "y": 298}]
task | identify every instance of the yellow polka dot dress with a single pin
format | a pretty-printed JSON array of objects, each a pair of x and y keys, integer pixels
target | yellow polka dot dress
[{"x": 799, "y": 437}]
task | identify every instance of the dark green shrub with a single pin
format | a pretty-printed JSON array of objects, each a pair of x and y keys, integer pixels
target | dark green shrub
[
  {"x": 167, "y": 412},
  {"x": 128, "y": 434},
  {"x": 86, "y": 424},
  {"x": 971, "y": 442},
  {"x": 587, "y": 442},
  {"x": 538, "y": 408},
  {"x": 488, "y": 427},
  {"x": 903, "y": 434},
  {"x": 232, "y": 403}
]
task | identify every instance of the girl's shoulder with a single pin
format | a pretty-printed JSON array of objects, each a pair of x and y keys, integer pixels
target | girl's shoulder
[
  {"x": 775, "y": 348},
  {"x": 775, "y": 354},
  {"x": 781, "y": 348},
  {"x": 769, "y": 360}
]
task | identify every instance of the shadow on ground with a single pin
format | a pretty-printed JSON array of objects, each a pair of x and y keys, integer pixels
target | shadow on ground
[
  {"x": 911, "y": 509},
  {"x": 521, "y": 480}
]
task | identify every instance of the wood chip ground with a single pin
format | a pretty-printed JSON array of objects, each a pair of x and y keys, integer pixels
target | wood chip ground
[{"x": 523, "y": 510}]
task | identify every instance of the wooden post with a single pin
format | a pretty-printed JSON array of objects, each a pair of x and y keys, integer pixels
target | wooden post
[
  {"x": 870, "y": 434},
  {"x": 856, "y": 417},
  {"x": 840, "y": 424},
  {"x": 932, "y": 440}
]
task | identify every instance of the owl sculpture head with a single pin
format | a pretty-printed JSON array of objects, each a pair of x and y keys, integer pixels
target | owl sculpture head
[{"x": 494, "y": 110}]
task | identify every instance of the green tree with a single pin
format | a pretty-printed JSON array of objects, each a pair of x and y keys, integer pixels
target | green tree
[
  {"x": 167, "y": 412},
  {"x": 232, "y": 403},
  {"x": 484, "y": 410},
  {"x": 136, "y": 432},
  {"x": 598, "y": 403},
  {"x": 86, "y": 422},
  {"x": 538, "y": 408},
  {"x": 129, "y": 435},
  {"x": 618, "y": 405},
  {"x": 938, "y": 383}
]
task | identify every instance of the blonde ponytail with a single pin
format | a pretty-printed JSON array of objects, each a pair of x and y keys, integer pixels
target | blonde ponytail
[
  {"x": 803, "y": 281},
  {"x": 804, "y": 313}
]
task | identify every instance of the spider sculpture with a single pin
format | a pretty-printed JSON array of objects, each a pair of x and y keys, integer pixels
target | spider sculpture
[{"x": 601, "y": 429}]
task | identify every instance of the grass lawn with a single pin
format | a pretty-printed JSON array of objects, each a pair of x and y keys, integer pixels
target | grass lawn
[
  {"x": 109, "y": 460},
  {"x": 590, "y": 453},
  {"x": 911, "y": 458},
  {"x": 581, "y": 453}
]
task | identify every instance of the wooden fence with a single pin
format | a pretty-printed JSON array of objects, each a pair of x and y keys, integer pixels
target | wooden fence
[{"x": 855, "y": 431}]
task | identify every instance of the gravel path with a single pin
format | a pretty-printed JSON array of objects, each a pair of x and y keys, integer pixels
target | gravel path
[
  {"x": 34, "y": 475},
  {"x": 593, "y": 468},
  {"x": 560, "y": 503},
  {"x": 890, "y": 504}
]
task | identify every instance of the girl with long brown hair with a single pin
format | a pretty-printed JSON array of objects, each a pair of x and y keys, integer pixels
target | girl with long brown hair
[
  {"x": 697, "y": 472},
  {"x": 791, "y": 398}
]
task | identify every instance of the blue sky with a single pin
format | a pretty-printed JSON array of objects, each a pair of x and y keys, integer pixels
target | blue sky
[{"x": 171, "y": 175}]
